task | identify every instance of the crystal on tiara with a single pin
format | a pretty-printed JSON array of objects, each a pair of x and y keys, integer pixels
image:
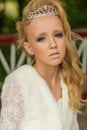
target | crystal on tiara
[{"x": 45, "y": 10}]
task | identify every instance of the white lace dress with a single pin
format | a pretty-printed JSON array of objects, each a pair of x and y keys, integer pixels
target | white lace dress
[
  {"x": 74, "y": 125},
  {"x": 12, "y": 110}
]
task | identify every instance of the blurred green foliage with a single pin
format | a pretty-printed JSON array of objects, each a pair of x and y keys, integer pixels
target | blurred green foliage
[
  {"x": 11, "y": 11},
  {"x": 77, "y": 12}
]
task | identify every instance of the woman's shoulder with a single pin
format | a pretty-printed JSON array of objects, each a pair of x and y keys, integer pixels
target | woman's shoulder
[
  {"x": 19, "y": 77},
  {"x": 20, "y": 72},
  {"x": 23, "y": 74}
]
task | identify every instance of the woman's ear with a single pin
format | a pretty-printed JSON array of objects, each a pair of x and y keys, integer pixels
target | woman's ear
[{"x": 28, "y": 48}]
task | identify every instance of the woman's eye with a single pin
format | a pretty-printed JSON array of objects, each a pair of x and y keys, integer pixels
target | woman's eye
[
  {"x": 59, "y": 35},
  {"x": 40, "y": 39}
]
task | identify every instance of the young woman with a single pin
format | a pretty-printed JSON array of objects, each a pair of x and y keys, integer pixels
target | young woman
[{"x": 47, "y": 94}]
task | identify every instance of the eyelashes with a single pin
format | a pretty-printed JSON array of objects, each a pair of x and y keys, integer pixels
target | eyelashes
[
  {"x": 59, "y": 35},
  {"x": 40, "y": 39},
  {"x": 43, "y": 38}
]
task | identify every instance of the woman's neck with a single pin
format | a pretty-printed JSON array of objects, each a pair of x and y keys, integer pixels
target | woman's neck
[
  {"x": 51, "y": 76},
  {"x": 49, "y": 73}
]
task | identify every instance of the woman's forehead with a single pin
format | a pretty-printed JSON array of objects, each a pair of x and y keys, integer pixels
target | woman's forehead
[{"x": 45, "y": 22}]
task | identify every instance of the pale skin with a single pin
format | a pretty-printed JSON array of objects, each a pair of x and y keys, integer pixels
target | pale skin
[{"x": 47, "y": 42}]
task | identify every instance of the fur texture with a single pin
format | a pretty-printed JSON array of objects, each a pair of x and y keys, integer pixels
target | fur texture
[{"x": 41, "y": 111}]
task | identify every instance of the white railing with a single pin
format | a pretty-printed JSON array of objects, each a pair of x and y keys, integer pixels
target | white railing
[
  {"x": 8, "y": 67},
  {"x": 82, "y": 52}
]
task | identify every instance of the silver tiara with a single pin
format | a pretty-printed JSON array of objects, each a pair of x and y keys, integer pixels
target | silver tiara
[{"x": 45, "y": 10}]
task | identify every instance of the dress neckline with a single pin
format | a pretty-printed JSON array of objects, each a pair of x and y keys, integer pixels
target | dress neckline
[{"x": 59, "y": 100}]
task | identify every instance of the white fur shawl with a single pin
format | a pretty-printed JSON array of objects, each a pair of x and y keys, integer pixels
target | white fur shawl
[{"x": 41, "y": 111}]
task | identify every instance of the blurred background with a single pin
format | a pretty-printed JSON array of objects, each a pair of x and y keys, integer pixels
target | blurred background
[{"x": 11, "y": 12}]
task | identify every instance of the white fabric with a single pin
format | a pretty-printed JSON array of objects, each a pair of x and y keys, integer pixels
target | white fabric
[
  {"x": 28, "y": 104},
  {"x": 12, "y": 109},
  {"x": 74, "y": 124}
]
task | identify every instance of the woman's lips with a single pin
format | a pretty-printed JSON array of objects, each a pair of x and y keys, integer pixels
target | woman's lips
[{"x": 54, "y": 55}]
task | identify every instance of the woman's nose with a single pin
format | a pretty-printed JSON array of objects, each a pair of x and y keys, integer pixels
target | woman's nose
[{"x": 52, "y": 43}]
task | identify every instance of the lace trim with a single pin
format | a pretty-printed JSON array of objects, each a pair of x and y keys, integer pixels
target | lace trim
[{"x": 12, "y": 109}]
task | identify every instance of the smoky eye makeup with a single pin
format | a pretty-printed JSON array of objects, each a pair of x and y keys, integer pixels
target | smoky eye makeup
[
  {"x": 59, "y": 34},
  {"x": 41, "y": 38}
]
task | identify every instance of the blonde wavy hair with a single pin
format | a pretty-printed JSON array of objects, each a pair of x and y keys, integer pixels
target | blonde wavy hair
[{"x": 70, "y": 66}]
